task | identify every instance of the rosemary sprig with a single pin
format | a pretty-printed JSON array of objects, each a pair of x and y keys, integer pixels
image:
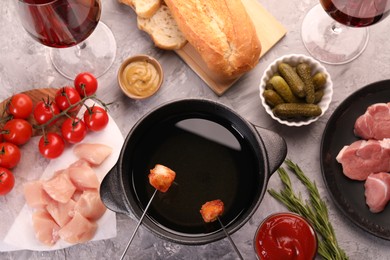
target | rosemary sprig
[{"x": 315, "y": 210}]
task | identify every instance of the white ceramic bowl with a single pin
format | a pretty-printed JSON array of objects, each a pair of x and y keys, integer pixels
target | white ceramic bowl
[{"x": 293, "y": 60}]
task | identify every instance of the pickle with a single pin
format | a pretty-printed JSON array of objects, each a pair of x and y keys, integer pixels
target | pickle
[
  {"x": 319, "y": 80},
  {"x": 283, "y": 89},
  {"x": 272, "y": 98},
  {"x": 294, "y": 81},
  {"x": 304, "y": 71},
  {"x": 288, "y": 110},
  {"x": 269, "y": 86},
  {"x": 318, "y": 96}
]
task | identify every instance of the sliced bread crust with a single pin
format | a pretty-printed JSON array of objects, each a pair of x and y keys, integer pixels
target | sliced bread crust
[
  {"x": 163, "y": 29},
  {"x": 143, "y": 8}
]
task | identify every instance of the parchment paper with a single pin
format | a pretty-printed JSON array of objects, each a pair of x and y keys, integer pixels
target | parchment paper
[{"x": 16, "y": 231}]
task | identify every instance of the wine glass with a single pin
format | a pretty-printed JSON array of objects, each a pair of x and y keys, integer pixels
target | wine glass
[
  {"x": 79, "y": 41},
  {"x": 335, "y": 36}
]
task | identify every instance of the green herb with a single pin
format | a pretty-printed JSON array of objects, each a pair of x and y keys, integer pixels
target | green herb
[{"x": 315, "y": 210}]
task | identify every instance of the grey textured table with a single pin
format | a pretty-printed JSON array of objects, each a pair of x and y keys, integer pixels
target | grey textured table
[{"x": 25, "y": 64}]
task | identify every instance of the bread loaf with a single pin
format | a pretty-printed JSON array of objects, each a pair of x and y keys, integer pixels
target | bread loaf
[{"x": 222, "y": 33}]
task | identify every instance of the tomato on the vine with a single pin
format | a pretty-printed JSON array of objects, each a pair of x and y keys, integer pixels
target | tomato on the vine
[
  {"x": 9, "y": 155},
  {"x": 96, "y": 118},
  {"x": 7, "y": 181},
  {"x": 20, "y": 106},
  {"x": 44, "y": 111},
  {"x": 73, "y": 130},
  {"x": 86, "y": 84},
  {"x": 67, "y": 96},
  {"x": 17, "y": 131},
  {"x": 51, "y": 145}
]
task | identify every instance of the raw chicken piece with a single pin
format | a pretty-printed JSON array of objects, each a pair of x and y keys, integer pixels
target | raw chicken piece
[
  {"x": 211, "y": 210},
  {"x": 78, "y": 230},
  {"x": 61, "y": 212},
  {"x": 374, "y": 123},
  {"x": 92, "y": 153},
  {"x": 362, "y": 158},
  {"x": 46, "y": 229},
  {"x": 161, "y": 177},
  {"x": 377, "y": 191},
  {"x": 60, "y": 187},
  {"x": 90, "y": 205},
  {"x": 79, "y": 163},
  {"x": 83, "y": 177},
  {"x": 36, "y": 196},
  {"x": 76, "y": 195}
]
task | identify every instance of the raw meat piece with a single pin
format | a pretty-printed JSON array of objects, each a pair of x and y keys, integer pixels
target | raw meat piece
[
  {"x": 61, "y": 212},
  {"x": 377, "y": 191},
  {"x": 374, "y": 123},
  {"x": 78, "y": 230},
  {"x": 46, "y": 229},
  {"x": 83, "y": 177},
  {"x": 77, "y": 195},
  {"x": 161, "y": 177},
  {"x": 60, "y": 187},
  {"x": 90, "y": 205},
  {"x": 211, "y": 210},
  {"x": 362, "y": 158},
  {"x": 36, "y": 196},
  {"x": 79, "y": 163},
  {"x": 92, "y": 153}
]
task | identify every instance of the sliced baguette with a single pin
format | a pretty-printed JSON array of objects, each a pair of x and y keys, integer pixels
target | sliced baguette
[
  {"x": 143, "y": 8},
  {"x": 163, "y": 29}
]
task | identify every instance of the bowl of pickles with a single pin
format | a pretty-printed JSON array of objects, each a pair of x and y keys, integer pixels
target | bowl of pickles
[{"x": 296, "y": 90}]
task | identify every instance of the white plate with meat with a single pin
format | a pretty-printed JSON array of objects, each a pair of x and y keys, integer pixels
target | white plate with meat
[{"x": 349, "y": 194}]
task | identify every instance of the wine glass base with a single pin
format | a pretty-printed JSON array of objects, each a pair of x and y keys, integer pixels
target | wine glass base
[
  {"x": 95, "y": 55},
  {"x": 329, "y": 41}
]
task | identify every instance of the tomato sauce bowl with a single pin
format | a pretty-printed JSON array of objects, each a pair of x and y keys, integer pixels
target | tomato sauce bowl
[{"x": 286, "y": 236}]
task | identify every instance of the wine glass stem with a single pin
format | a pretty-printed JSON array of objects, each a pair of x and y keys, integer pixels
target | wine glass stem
[
  {"x": 336, "y": 28},
  {"x": 80, "y": 47}
]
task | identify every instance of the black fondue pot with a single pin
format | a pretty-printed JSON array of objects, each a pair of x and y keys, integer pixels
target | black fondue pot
[{"x": 215, "y": 153}]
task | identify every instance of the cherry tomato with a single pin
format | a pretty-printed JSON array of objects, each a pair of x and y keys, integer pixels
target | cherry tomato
[
  {"x": 67, "y": 96},
  {"x": 73, "y": 130},
  {"x": 17, "y": 131},
  {"x": 9, "y": 155},
  {"x": 20, "y": 106},
  {"x": 86, "y": 84},
  {"x": 7, "y": 181},
  {"x": 44, "y": 111},
  {"x": 51, "y": 145},
  {"x": 96, "y": 118}
]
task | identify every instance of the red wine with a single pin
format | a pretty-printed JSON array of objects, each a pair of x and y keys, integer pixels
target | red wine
[
  {"x": 59, "y": 23},
  {"x": 357, "y": 13}
]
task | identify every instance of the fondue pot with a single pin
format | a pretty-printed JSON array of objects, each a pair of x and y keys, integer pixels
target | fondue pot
[{"x": 216, "y": 154}]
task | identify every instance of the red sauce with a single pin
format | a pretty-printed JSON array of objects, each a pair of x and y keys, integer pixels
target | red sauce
[{"x": 285, "y": 236}]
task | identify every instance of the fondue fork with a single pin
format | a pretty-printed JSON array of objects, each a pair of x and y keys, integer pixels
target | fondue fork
[
  {"x": 230, "y": 239},
  {"x": 138, "y": 224}
]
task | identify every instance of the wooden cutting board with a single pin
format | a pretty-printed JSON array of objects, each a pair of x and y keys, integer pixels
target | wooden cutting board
[
  {"x": 38, "y": 95},
  {"x": 268, "y": 29}
]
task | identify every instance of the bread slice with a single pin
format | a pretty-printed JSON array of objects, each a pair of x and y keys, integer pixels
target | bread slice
[
  {"x": 163, "y": 29},
  {"x": 143, "y": 8}
]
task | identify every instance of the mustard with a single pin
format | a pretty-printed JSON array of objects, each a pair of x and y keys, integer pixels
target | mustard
[{"x": 140, "y": 78}]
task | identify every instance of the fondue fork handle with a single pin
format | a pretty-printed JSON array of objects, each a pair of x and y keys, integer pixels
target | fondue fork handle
[
  {"x": 230, "y": 240},
  {"x": 138, "y": 224}
]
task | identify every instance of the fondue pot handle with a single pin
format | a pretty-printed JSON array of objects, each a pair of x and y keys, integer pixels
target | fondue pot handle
[
  {"x": 111, "y": 192},
  {"x": 275, "y": 146}
]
